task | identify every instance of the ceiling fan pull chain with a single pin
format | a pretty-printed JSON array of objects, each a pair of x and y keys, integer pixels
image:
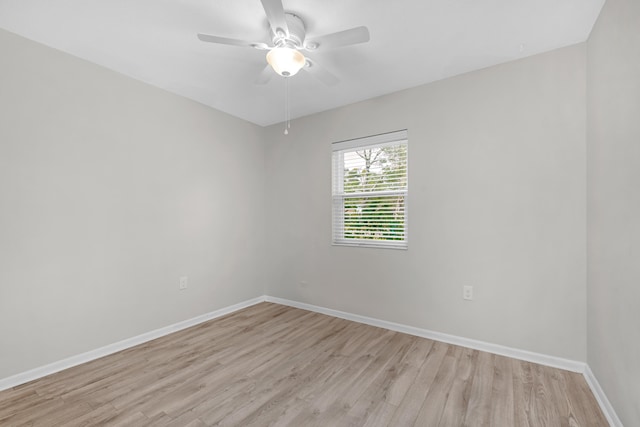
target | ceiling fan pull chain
[
  {"x": 287, "y": 113},
  {"x": 288, "y": 104}
]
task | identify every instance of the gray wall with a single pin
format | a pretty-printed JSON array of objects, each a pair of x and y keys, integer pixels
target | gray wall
[
  {"x": 614, "y": 205},
  {"x": 109, "y": 191},
  {"x": 497, "y": 200}
]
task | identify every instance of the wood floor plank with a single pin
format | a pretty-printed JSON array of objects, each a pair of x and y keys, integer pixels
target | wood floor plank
[
  {"x": 414, "y": 399},
  {"x": 13, "y": 401},
  {"x": 502, "y": 410},
  {"x": 312, "y": 364},
  {"x": 95, "y": 417},
  {"x": 408, "y": 371},
  {"x": 457, "y": 401},
  {"x": 436, "y": 399},
  {"x": 583, "y": 403},
  {"x": 374, "y": 406},
  {"x": 568, "y": 416},
  {"x": 542, "y": 413},
  {"x": 378, "y": 376},
  {"x": 271, "y": 365},
  {"x": 479, "y": 407}
]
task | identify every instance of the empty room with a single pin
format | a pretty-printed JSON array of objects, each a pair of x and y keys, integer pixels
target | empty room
[{"x": 306, "y": 213}]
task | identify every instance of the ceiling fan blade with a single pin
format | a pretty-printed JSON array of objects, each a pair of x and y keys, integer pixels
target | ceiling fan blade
[
  {"x": 339, "y": 39},
  {"x": 320, "y": 73},
  {"x": 265, "y": 75},
  {"x": 275, "y": 15},
  {"x": 232, "y": 42}
]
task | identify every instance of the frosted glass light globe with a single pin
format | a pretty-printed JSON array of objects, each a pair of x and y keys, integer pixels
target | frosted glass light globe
[{"x": 285, "y": 61}]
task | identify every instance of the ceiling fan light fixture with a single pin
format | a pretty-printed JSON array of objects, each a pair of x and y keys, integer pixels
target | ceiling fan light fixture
[{"x": 285, "y": 60}]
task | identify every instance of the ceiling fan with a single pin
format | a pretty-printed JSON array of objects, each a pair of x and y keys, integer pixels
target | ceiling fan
[{"x": 288, "y": 40}]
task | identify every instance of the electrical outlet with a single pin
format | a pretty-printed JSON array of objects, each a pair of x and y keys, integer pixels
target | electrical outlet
[
  {"x": 467, "y": 292},
  {"x": 184, "y": 282}
]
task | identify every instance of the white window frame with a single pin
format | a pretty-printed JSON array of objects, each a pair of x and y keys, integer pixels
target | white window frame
[{"x": 338, "y": 194}]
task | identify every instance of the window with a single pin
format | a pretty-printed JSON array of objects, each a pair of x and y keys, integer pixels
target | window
[{"x": 370, "y": 184}]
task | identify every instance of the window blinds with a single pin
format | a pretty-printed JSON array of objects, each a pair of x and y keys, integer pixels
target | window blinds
[{"x": 369, "y": 188}]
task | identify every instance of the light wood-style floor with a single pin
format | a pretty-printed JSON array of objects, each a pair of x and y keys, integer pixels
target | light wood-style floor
[{"x": 275, "y": 365}]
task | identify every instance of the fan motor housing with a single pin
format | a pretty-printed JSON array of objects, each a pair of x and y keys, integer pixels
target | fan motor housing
[{"x": 297, "y": 32}]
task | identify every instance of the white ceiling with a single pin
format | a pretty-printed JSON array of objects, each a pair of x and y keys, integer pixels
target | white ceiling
[{"x": 412, "y": 42}]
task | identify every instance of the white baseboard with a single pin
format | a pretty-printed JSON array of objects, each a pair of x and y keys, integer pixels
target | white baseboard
[
  {"x": 72, "y": 361},
  {"x": 604, "y": 403},
  {"x": 542, "y": 359}
]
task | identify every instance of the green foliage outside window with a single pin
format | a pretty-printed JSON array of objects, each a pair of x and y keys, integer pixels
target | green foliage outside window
[{"x": 374, "y": 183}]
